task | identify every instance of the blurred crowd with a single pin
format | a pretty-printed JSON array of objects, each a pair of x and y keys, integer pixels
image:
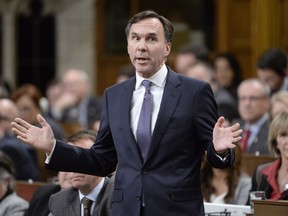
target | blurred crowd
[{"x": 259, "y": 104}]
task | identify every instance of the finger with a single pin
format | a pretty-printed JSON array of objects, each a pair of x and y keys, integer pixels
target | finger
[
  {"x": 220, "y": 121},
  {"x": 235, "y": 127},
  {"x": 23, "y": 139},
  {"x": 23, "y": 123},
  {"x": 41, "y": 120},
  {"x": 18, "y": 128},
  {"x": 238, "y": 133},
  {"x": 237, "y": 139},
  {"x": 19, "y": 133}
]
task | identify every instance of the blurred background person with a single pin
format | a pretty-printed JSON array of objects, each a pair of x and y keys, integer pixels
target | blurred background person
[
  {"x": 272, "y": 177},
  {"x": 76, "y": 103},
  {"x": 188, "y": 55},
  {"x": 39, "y": 204},
  {"x": 52, "y": 93},
  {"x": 226, "y": 104},
  {"x": 279, "y": 102},
  {"x": 228, "y": 72},
  {"x": 97, "y": 189},
  {"x": 272, "y": 69},
  {"x": 27, "y": 98},
  {"x": 23, "y": 156},
  {"x": 125, "y": 72},
  {"x": 10, "y": 203},
  {"x": 253, "y": 107},
  {"x": 226, "y": 186}
]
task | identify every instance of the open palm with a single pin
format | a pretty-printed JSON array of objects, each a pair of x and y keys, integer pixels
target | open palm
[{"x": 38, "y": 137}]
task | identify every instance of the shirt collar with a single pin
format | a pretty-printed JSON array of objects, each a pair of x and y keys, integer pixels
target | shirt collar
[
  {"x": 94, "y": 193},
  {"x": 159, "y": 78}
]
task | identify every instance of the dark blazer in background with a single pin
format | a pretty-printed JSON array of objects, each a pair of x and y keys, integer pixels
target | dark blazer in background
[
  {"x": 67, "y": 202},
  {"x": 39, "y": 204},
  {"x": 260, "y": 143},
  {"x": 170, "y": 175},
  {"x": 24, "y": 158}
]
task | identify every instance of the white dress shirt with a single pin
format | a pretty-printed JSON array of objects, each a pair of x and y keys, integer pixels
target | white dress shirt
[
  {"x": 92, "y": 196},
  {"x": 157, "y": 88}
]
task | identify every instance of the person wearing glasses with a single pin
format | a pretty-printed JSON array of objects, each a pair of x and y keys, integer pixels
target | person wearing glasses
[{"x": 253, "y": 107}]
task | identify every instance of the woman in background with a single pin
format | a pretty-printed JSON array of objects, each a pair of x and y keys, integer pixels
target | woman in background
[
  {"x": 226, "y": 186},
  {"x": 10, "y": 203},
  {"x": 272, "y": 177},
  {"x": 227, "y": 72}
]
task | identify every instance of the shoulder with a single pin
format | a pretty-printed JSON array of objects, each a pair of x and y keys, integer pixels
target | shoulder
[
  {"x": 14, "y": 202},
  {"x": 63, "y": 195}
]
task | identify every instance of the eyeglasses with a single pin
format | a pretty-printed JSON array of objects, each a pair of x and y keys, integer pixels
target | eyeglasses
[
  {"x": 251, "y": 98},
  {"x": 4, "y": 119}
]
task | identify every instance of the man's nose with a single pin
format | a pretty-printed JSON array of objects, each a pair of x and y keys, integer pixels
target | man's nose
[{"x": 142, "y": 46}]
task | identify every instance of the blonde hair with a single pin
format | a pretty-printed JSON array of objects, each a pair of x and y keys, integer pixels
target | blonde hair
[{"x": 278, "y": 124}]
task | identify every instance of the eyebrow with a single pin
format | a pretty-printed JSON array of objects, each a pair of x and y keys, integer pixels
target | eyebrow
[{"x": 149, "y": 34}]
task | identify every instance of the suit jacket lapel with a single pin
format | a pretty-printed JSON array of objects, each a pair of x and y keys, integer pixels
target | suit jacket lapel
[
  {"x": 168, "y": 104},
  {"x": 74, "y": 205},
  {"x": 125, "y": 98}
]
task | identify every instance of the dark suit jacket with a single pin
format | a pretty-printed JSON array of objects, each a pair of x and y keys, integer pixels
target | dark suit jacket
[
  {"x": 23, "y": 156},
  {"x": 170, "y": 175},
  {"x": 39, "y": 203},
  {"x": 67, "y": 203},
  {"x": 260, "y": 143},
  {"x": 92, "y": 108}
]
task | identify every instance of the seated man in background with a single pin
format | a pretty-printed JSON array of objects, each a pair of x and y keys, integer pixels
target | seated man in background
[
  {"x": 10, "y": 203},
  {"x": 97, "y": 190},
  {"x": 76, "y": 104},
  {"x": 23, "y": 156},
  {"x": 227, "y": 105},
  {"x": 272, "y": 69},
  {"x": 253, "y": 106}
]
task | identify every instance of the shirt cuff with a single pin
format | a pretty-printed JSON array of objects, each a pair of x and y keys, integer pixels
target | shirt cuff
[
  {"x": 224, "y": 157},
  {"x": 48, "y": 156}
]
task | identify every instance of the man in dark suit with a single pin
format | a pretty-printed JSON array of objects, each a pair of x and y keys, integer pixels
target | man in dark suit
[
  {"x": 38, "y": 205},
  {"x": 95, "y": 188},
  {"x": 23, "y": 156},
  {"x": 254, "y": 104},
  {"x": 75, "y": 104},
  {"x": 162, "y": 177}
]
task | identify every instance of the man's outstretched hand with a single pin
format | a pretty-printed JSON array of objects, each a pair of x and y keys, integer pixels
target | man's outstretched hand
[
  {"x": 225, "y": 138},
  {"x": 39, "y": 137}
]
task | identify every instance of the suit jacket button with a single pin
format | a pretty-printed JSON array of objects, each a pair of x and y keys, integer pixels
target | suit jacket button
[{"x": 144, "y": 172}]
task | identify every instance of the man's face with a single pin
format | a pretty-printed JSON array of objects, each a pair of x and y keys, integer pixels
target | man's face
[
  {"x": 253, "y": 103},
  {"x": 183, "y": 61},
  {"x": 147, "y": 46},
  {"x": 271, "y": 78},
  {"x": 85, "y": 183}
]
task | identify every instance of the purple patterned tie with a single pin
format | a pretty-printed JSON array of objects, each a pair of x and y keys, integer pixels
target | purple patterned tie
[{"x": 144, "y": 123}]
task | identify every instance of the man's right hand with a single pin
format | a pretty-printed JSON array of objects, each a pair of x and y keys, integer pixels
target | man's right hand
[{"x": 40, "y": 138}]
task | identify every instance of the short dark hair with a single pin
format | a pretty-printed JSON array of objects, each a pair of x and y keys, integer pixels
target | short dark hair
[
  {"x": 198, "y": 50},
  {"x": 83, "y": 134},
  {"x": 167, "y": 25},
  {"x": 6, "y": 163},
  {"x": 274, "y": 59}
]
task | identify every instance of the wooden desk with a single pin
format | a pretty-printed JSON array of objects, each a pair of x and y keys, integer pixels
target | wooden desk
[
  {"x": 250, "y": 162},
  {"x": 270, "y": 207},
  {"x": 26, "y": 189}
]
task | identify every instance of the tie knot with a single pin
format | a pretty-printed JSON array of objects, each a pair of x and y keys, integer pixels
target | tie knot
[
  {"x": 86, "y": 202},
  {"x": 146, "y": 84}
]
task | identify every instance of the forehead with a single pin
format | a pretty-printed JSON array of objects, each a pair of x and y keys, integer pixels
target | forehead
[
  {"x": 147, "y": 26},
  {"x": 251, "y": 88}
]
